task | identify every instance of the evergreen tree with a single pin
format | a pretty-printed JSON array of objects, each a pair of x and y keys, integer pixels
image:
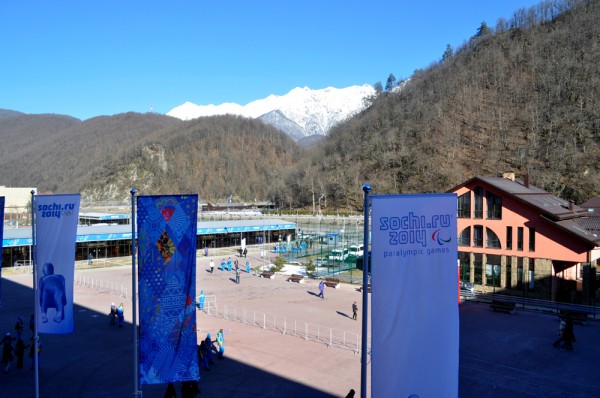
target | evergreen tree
[{"x": 390, "y": 83}]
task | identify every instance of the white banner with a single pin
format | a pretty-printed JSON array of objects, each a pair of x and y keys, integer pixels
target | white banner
[
  {"x": 55, "y": 233},
  {"x": 415, "y": 328}
]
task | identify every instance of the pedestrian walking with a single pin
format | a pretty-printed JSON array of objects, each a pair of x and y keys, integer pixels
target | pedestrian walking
[
  {"x": 237, "y": 275},
  {"x": 222, "y": 264},
  {"x": 247, "y": 266},
  {"x": 203, "y": 355},
  {"x": 354, "y": 310},
  {"x": 245, "y": 252},
  {"x": 206, "y": 252},
  {"x": 121, "y": 314},
  {"x": 321, "y": 290},
  {"x": 90, "y": 259},
  {"x": 229, "y": 263},
  {"x": 212, "y": 266}
]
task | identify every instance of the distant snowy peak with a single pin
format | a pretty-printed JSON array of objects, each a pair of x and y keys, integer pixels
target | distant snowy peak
[{"x": 300, "y": 113}]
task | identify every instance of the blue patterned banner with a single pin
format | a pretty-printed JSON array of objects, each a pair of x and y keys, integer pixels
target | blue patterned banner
[
  {"x": 167, "y": 287},
  {"x": 1, "y": 240}
]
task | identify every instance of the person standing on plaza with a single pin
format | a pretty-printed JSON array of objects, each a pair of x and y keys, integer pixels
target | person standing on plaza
[
  {"x": 222, "y": 264},
  {"x": 247, "y": 266},
  {"x": 20, "y": 352},
  {"x": 208, "y": 345},
  {"x": 121, "y": 314},
  {"x": 354, "y": 310},
  {"x": 19, "y": 327},
  {"x": 90, "y": 259},
  {"x": 201, "y": 299},
  {"x": 245, "y": 252},
  {"x": 321, "y": 290},
  {"x": 113, "y": 314},
  {"x": 237, "y": 275},
  {"x": 7, "y": 352},
  {"x": 221, "y": 343},
  {"x": 229, "y": 263},
  {"x": 171, "y": 392},
  {"x": 212, "y": 265}
]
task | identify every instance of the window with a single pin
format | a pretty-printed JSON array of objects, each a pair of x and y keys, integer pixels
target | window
[
  {"x": 465, "y": 266},
  {"x": 519, "y": 238},
  {"x": 494, "y": 206},
  {"x": 531, "y": 273},
  {"x": 464, "y": 239},
  {"x": 519, "y": 272},
  {"x": 531, "y": 239},
  {"x": 464, "y": 205},
  {"x": 478, "y": 202},
  {"x": 491, "y": 239},
  {"x": 478, "y": 236},
  {"x": 492, "y": 271},
  {"x": 508, "y": 272},
  {"x": 509, "y": 238},
  {"x": 477, "y": 265}
]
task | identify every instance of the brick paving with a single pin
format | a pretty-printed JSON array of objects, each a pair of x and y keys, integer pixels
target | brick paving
[{"x": 500, "y": 354}]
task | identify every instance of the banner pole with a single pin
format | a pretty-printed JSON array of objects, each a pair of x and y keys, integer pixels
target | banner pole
[
  {"x": 35, "y": 298},
  {"x": 365, "y": 310},
  {"x": 136, "y": 391}
]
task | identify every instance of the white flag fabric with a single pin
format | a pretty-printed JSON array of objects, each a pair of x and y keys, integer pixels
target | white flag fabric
[
  {"x": 414, "y": 279},
  {"x": 55, "y": 234}
]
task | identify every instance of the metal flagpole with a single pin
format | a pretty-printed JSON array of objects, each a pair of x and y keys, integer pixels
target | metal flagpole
[
  {"x": 365, "y": 319},
  {"x": 35, "y": 299},
  {"x": 136, "y": 391}
]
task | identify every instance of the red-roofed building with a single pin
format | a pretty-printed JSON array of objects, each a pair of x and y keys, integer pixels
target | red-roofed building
[{"x": 515, "y": 238}]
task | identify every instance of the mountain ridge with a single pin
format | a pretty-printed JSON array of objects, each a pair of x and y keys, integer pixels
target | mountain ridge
[{"x": 302, "y": 112}]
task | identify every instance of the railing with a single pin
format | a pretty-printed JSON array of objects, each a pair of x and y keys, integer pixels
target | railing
[
  {"x": 331, "y": 337},
  {"x": 533, "y": 304},
  {"x": 109, "y": 287}
]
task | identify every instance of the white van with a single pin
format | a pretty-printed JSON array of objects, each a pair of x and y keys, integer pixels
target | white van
[
  {"x": 338, "y": 254},
  {"x": 356, "y": 251}
]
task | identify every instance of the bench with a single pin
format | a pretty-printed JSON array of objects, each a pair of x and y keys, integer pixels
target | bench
[
  {"x": 576, "y": 316},
  {"x": 332, "y": 282},
  {"x": 267, "y": 274},
  {"x": 503, "y": 306},
  {"x": 360, "y": 289},
  {"x": 296, "y": 278}
]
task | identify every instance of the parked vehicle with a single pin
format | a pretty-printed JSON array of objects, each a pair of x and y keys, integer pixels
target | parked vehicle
[
  {"x": 338, "y": 254},
  {"x": 356, "y": 251},
  {"x": 321, "y": 262}
]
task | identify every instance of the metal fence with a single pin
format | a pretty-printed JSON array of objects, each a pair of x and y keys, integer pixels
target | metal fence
[
  {"x": 553, "y": 307},
  {"x": 109, "y": 287},
  {"x": 331, "y": 337}
]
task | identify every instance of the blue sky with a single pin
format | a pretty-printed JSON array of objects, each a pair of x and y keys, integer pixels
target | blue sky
[{"x": 89, "y": 58}]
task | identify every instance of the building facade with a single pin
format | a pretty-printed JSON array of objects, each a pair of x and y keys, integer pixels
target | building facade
[{"x": 517, "y": 239}]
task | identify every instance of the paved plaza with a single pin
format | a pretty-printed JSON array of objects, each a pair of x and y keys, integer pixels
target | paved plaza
[{"x": 500, "y": 354}]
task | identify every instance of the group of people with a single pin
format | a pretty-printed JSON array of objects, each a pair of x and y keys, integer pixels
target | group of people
[
  {"x": 117, "y": 314},
  {"x": 9, "y": 353},
  {"x": 229, "y": 265},
  {"x": 207, "y": 348}
]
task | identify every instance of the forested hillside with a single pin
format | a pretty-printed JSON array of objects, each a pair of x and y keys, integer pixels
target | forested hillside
[
  {"x": 521, "y": 96},
  {"x": 216, "y": 157}
]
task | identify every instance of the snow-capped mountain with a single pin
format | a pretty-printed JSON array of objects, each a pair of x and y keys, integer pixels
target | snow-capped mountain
[{"x": 300, "y": 113}]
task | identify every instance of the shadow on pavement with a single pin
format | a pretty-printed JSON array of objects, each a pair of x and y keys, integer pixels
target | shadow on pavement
[{"x": 97, "y": 361}]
